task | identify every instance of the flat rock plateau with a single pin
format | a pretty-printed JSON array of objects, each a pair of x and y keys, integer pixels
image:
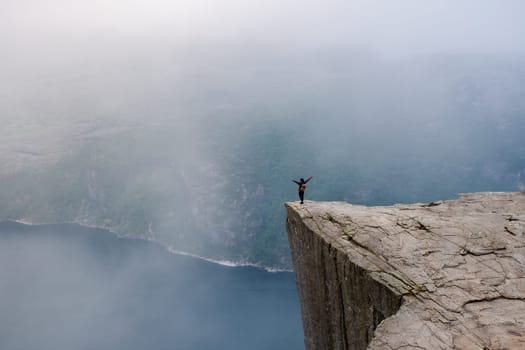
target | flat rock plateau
[{"x": 439, "y": 275}]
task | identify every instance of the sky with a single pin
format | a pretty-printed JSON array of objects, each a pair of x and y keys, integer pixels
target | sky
[
  {"x": 382, "y": 115},
  {"x": 56, "y": 40},
  {"x": 57, "y": 30},
  {"x": 383, "y": 85},
  {"x": 49, "y": 40},
  {"x": 97, "y": 60}
]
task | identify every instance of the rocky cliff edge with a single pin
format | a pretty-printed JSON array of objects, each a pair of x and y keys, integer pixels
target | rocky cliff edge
[{"x": 440, "y": 275}]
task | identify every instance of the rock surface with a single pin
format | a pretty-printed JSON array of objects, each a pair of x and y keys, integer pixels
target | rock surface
[{"x": 441, "y": 275}]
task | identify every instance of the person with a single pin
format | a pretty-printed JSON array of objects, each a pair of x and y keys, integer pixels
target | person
[{"x": 302, "y": 187}]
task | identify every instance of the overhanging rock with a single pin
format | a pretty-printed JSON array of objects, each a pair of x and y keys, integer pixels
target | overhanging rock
[{"x": 441, "y": 275}]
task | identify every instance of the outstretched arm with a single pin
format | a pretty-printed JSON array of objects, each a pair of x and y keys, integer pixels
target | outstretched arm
[
  {"x": 297, "y": 182},
  {"x": 308, "y": 179}
]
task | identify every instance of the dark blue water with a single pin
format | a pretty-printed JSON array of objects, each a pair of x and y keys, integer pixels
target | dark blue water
[{"x": 70, "y": 287}]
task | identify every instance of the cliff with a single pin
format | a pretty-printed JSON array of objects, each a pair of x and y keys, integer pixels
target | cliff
[{"x": 441, "y": 275}]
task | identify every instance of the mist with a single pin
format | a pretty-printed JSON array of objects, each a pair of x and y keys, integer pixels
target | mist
[
  {"x": 67, "y": 287},
  {"x": 184, "y": 122}
]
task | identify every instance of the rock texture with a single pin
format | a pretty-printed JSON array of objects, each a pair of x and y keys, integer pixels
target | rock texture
[{"x": 441, "y": 275}]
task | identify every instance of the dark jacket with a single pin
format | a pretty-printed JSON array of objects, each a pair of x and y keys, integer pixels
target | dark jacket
[{"x": 302, "y": 184}]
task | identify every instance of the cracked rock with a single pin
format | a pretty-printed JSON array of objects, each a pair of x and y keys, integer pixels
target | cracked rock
[{"x": 442, "y": 275}]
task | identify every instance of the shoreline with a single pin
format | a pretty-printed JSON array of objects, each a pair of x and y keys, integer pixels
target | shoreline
[{"x": 170, "y": 249}]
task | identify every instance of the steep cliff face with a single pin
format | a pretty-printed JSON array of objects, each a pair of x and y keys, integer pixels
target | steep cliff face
[{"x": 441, "y": 275}]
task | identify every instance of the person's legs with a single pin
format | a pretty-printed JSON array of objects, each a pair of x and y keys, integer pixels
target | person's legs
[{"x": 301, "y": 196}]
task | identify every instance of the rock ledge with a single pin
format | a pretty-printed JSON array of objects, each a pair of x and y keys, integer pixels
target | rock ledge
[{"x": 440, "y": 275}]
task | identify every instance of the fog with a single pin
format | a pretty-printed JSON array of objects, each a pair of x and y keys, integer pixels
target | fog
[
  {"x": 53, "y": 40},
  {"x": 64, "y": 287},
  {"x": 404, "y": 27},
  {"x": 184, "y": 121}
]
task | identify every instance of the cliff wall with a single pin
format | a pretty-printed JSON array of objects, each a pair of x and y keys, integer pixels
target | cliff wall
[{"x": 441, "y": 275}]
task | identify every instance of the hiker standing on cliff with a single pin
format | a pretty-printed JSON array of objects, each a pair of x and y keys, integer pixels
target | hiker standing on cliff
[{"x": 302, "y": 187}]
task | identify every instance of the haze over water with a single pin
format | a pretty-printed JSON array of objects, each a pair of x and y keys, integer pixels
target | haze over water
[
  {"x": 183, "y": 122},
  {"x": 66, "y": 287}
]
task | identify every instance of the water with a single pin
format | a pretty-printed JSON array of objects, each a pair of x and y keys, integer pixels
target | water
[{"x": 71, "y": 287}]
